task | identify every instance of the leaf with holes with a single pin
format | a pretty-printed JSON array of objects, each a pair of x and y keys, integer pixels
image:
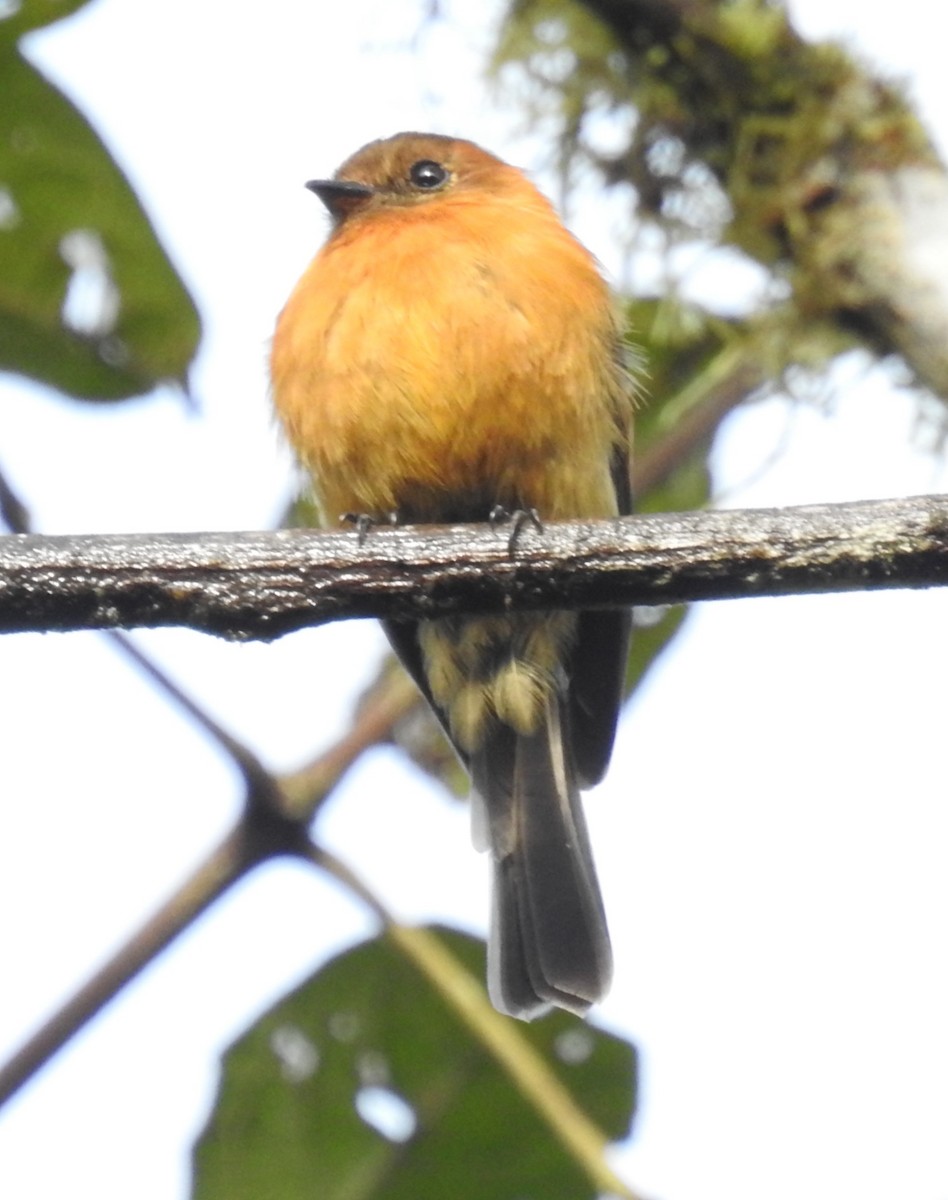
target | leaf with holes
[
  {"x": 363, "y": 1082},
  {"x": 89, "y": 301}
]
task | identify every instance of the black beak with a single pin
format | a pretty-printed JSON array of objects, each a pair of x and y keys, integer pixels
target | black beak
[{"x": 341, "y": 196}]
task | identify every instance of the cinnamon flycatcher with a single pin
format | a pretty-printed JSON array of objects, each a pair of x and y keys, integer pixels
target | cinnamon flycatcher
[{"x": 452, "y": 349}]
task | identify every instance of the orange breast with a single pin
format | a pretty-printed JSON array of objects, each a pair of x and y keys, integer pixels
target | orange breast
[{"x": 438, "y": 360}]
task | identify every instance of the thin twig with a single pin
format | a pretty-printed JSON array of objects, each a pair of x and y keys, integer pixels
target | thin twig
[
  {"x": 260, "y": 782},
  {"x": 16, "y": 516},
  {"x": 13, "y": 512},
  {"x": 264, "y": 830},
  {"x": 224, "y": 866},
  {"x": 737, "y": 376},
  {"x": 273, "y": 823},
  {"x": 389, "y": 699}
]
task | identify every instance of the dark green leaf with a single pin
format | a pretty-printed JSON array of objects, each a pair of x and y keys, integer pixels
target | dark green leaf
[
  {"x": 286, "y": 1124},
  {"x": 70, "y": 220},
  {"x": 24, "y": 15}
]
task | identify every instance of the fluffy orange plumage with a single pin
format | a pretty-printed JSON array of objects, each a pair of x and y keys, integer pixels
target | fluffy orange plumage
[{"x": 451, "y": 348}]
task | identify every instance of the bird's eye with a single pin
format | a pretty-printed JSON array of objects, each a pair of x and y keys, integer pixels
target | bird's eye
[{"x": 427, "y": 175}]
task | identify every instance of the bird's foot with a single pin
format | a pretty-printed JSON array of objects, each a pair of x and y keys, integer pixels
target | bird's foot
[
  {"x": 518, "y": 518},
  {"x": 363, "y": 522}
]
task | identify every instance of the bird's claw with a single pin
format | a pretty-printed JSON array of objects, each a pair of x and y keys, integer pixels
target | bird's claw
[
  {"x": 363, "y": 522},
  {"x": 518, "y": 518}
]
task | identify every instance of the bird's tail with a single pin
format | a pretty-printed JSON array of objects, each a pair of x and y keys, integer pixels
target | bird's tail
[{"x": 549, "y": 943}]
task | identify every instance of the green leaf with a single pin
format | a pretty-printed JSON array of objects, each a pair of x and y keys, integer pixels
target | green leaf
[
  {"x": 287, "y": 1125},
  {"x": 71, "y": 224},
  {"x": 677, "y": 343},
  {"x": 20, "y": 16},
  {"x": 652, "y": 632}
]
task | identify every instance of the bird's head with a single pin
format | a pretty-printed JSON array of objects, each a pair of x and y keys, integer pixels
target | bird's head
[{"x": 411, "y": 169}]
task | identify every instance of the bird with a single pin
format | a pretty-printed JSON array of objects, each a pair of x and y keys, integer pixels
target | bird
[{"x": 453, "y": 352}]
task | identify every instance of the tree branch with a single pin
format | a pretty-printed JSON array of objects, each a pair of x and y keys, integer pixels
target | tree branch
[
  {"x": 275, "y": 814},
  {"x": 262, "y": 585},
  {"x": 223, "y": 867}
]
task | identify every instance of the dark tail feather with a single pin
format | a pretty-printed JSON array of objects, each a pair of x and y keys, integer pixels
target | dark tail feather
[{"x": 549, "y": 943}]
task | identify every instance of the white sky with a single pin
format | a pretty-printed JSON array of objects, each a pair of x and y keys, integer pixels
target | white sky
[{"x": 771, "y": 838}]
